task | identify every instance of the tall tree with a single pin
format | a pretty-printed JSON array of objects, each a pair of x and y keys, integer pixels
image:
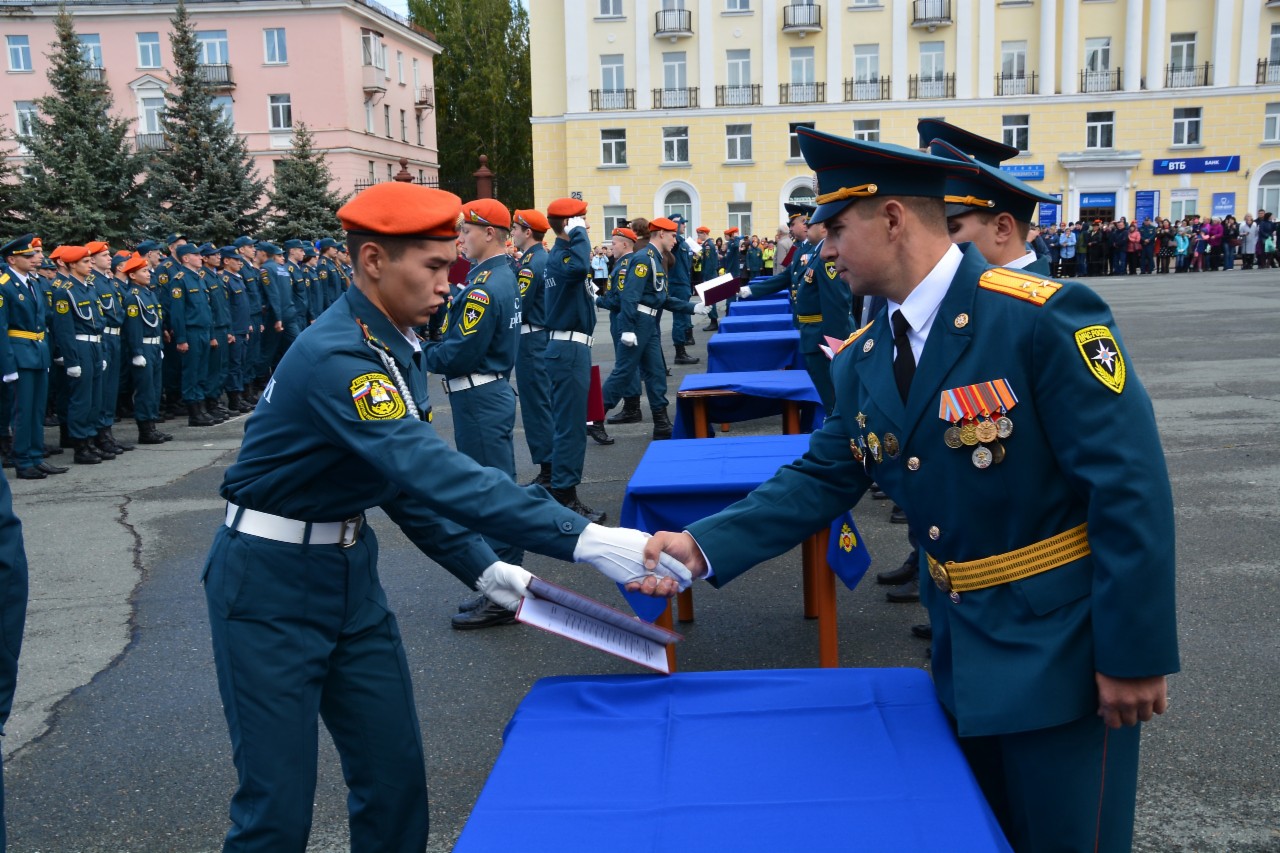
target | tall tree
[
  {"x": 303, "y": 202},
  {"x": 204, "y": 182},
  {"x": 483, "y": 92},
  {"x": 11, "y": 220},
  {"x": 82, "y": 180}
]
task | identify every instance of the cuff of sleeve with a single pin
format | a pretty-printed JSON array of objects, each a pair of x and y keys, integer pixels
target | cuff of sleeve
[{"x": 711, "y": 572}]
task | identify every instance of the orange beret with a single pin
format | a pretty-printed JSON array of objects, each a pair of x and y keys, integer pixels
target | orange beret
[
  {"x": 702, "y": 229},
  {"x": 625, "y": 232},
  {"x": 731, "y": 231},
  {"x": 567, "y": 207},
  {"x": 36, "y": 243},
  {"x": 135, "y": 262},
  {"x": 533, "y": 220},
  {"x": 397, "y": 209},
  {"x": 124, "y": 253},
  {"x": 662, "y": 223},
  {"x": 93, "y": 247},
  {"x": 72, "y": 254},
  {"x": 487, "y": 211}
]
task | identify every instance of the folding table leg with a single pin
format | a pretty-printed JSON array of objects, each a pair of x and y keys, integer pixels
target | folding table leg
[
  {"x": 790, "y": 417},
  {"x": 684, "y": 606},
  {"x": 701, "y": 427},
  {"x": 824, "y": 594},
  {"x": 664, "y": 621}
]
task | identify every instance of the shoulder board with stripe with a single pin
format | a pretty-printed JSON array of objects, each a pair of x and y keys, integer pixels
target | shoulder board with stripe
[
  {"x": 852, "y": 338},
  {"x": 1018, "y": 284},
  {"x": 4, "y": 278}
]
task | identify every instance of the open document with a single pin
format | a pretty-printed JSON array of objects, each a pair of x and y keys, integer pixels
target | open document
[
  {"x": 717, "y": 289},
  {"x": 562, "y": 611}
]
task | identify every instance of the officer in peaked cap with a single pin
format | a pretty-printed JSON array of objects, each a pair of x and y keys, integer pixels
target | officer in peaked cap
[
  {"x": 788, "y": 278},
  {"x": 980, "y": 394},
  {"x": 987, "y": 151},
  {"x": 299, "y": 292},
  {"x": 300, "y": 623}
]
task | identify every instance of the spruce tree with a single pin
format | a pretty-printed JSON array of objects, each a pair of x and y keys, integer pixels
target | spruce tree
[
  {"x": 203, "y": 183},
  {"x": 302, "y": 202},
  {"x": 12, "y": 222},
  {"x": 82, "y": 170}
]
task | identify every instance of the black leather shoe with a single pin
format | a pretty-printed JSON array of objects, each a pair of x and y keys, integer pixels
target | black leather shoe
[
  {"x": 595, "y": 429},
  {"x": 877, "y": 493},
  {"x": 487, "y": 615},
  {"x": 472, "y": 603},
  {"x": 683, "y": 357},
  {"x": 924, "y": 632},
  {"x": 544, "y": 476},
  {"x": 897, "y": 516},
  {"x": 904, "y": 594},
  {"x": 713, "y": 326},
  {"x": 31, "y": 474},
  {"x": 51, "y": 469},
  {"x": 908, "y": 571},
  {"x": 52, "y": 451}
]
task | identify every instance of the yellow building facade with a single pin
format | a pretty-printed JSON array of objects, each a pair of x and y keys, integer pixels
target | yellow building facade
[{"x": 1120, "y": 107}]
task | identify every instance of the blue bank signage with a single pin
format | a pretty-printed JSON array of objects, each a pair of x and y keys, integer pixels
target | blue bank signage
[
  {"x": 1194, "y": 165},
  {"x": 1024, "y": 171},
  {"x": 1146, "y": 205},
  {"x": 1097, "y": 199},
  {"x": 1224, "y": 204},
  {"x": 1048, "y": 213}
]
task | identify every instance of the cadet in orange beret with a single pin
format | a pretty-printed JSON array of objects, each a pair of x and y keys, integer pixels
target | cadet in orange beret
[
  {"x": 528, "y": 228},
  {"x": 300, "y": 623},
  {"x": 111, "y": 302},
  {"x": 77, "y": 318}
]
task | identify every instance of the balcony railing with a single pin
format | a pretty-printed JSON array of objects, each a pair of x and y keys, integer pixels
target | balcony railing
[
  {"x": 424, "y": 98},
  {"x": 217, "y": 76},
  {"x": 802, "y": 93},
  {"x": 801, "y": 18},
  {"x": 674, "y": 99},
  {"x": 738, "y": 96},
  {"x": 150, "y": 142},
  {"x": 931, "y": 13},
  {"x": 1268, "y": 71},
  {"x": 931, "y": 88},
  {"x": 613, "y": 99},
  {"x": 1016, "y": 84},
  {"x": 1100, "y": 81},
  {"x": 866, "y": 90},
  {"x": 1187, "y": 76},
  {"x": 673, "y": 23},
  {"x": 95, "y": 73}
]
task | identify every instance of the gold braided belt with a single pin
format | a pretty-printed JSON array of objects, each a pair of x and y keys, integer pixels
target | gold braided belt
[
  {"x": 809, "y": 318},
  {"x": 30, "y": 336},
  {"x": 1012, "y": 566}
]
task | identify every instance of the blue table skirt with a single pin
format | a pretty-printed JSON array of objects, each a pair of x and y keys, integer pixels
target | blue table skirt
[
  {"x": 808, "y": 760},
  {"x": 764, "y": 390},
  {"x": 764, "y": 305},
  {"x": 754, "y": 351},
  {"x": 758, "y": 323}
]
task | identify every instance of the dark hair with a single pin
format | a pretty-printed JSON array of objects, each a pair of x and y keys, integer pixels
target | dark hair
[
  {"x": 395, "y": 247},
  {"x": 557, "y": 223}
]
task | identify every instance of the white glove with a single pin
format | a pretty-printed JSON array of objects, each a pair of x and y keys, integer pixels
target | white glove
[
  {"x": 104, "y": 364},
  {"x": 504, "y": 584},
  {"x": 10, "y": 377},
  {"x": 73, "y": 372},
  {"x": 618, "y": 554},
  {"x": 628, "y": 339},
  {"x": 58, "y": 361},
  {"x": 701, "y": 310},
  {"x": 139, "y": 361},
  {"x": 574, "y": 222},
  {"x": 744, "y": 292}
]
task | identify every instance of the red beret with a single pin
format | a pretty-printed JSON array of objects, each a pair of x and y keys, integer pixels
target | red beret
[
  {"x": 135, "y": 262},
  {"x": 625, "y": 232},
  {"x": 72, "y": 254},
  {"x": 95, "y": 246},
  {"x": 702, "y": 229},
  {"x": 487, "y": 211},
  {"x": 567, "y": 207},
  {"x": 731, "y": 231},
  {"x": 36, "y": 243},
  {"x": 398, "y": 209},
  {"x": 662, "y": 223},
  {"x": 533, "y": 220}
]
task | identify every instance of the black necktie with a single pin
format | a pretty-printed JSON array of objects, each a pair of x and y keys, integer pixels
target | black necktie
[{"x": 904, "y": 362}]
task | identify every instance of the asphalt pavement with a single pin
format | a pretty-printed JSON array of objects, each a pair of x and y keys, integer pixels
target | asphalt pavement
[{"x": 117, "y": 741}]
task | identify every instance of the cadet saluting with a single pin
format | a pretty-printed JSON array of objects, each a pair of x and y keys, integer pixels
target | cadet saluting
[{"x": 300, "y": 623}]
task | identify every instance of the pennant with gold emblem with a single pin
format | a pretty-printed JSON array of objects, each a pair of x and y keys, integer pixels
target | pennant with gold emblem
[
  {"x": 1097, "y": 344},
  {"x": 377, "y": 398}
]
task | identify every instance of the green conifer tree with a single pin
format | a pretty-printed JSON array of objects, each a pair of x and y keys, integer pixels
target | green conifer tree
[
  {"x": 303, "y": 203},
  {"x": 203, "y": 183}
]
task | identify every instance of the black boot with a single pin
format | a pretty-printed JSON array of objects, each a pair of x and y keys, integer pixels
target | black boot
[
  {"x": 102, "y": 446},
  {"x": 65, "y": 439},
  {"x": 6, "y": 450},
  {"x": 85, "y": 454},
  {"x": 544, "y": 476},
  {"x": 683, "y": 357},
  {"x": 216, "y": 410},
  {"x": 211, "y": 412},
  {"x": 568, "y": 498},
  {"x": 52, "y": 451},
  {"x": 713, "y": 325},
  {"x": 148, "y": 434},
  {"x": 661, "y": 424},
  {"x": 595, "y": 429},
  {"x": 123, "y": 445},
  {"x": 688, "y": 337},
  {"x": 630, "y": 413},
  {"x": 241, "y": 402},
  {"x": 196, "y": 416}
]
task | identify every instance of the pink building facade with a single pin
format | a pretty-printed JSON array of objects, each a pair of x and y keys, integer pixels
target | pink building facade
[{"x": 358, "y": 75}]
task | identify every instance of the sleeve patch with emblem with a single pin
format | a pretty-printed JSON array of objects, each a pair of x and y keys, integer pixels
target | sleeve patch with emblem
[
  {"x": 177, "y": 293},
  {"x": 164, "y": 279},
  {"x": 526, "y": 279},
  {"x": 1101, "y": 353},
  {"x": 479, "y": 296},
  {"x": 831, "y": 270},
  {"x": 377, "y": 398},
  {"x": 132, "y": 311},
  {"x": 62, "y": 306},
  {"x": 642, "y": 270},
  {"x": 472, "y": 313}
]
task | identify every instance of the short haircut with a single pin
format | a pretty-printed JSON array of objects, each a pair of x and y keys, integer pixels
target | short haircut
[
  {"x": 394, "y": 246},
  {"x": 930, "y": 211},
  {"x": 1023, "y": 228},
  {"x": 557, "y": 223}
]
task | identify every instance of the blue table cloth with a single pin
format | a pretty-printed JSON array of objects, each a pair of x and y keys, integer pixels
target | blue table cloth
[
  {"x": 763, "y": 305},
  {"x": 757, "y": 323},
  {"x": 764, "y": 392},
  {"x": 754, "y": 351},
  {"x": 808, "y": 760}
]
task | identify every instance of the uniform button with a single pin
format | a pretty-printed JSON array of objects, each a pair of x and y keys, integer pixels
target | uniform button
[
  {"x": 935, "y": 533},
  {"x": 913, "y": 464},
  {"x": 566, "y": 526}
]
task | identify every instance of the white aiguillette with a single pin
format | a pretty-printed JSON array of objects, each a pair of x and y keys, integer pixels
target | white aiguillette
[
  {"x": 562, "y": 611},
  {"x": 717, "y": 289}
]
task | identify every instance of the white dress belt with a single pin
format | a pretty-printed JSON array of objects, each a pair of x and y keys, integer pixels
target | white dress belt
[
  {"x": 526, "y": 328},
  {"x": 111, "y": 330},
  {"x": 645, "y": 309},
  {"x": 475, "y": 380},
  {"x": 576, "y": 337},
  {"x": 92, "y": 339},
  {"x": 155, "y": 341},
  {"x": 277, "y": 529}
]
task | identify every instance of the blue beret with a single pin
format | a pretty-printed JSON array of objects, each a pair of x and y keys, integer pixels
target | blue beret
[
  {"x": 989, "y": 189},
  {"x": 186, "y": 249},
  {"x": 978, "y": 147},
  {"x": 18, "y": 246},
  {"x": 294, "y": 244}
]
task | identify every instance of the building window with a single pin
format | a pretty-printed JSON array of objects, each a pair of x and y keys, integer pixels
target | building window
[
  {"x": 418, "y": 123},
  {"x": 368, "y": 115},
  {"x": 417, "y": 75},
  {"x": 933, "y": 61},
  {"x": 613, "y": 77},
  {"x": 803, "y": 71},
  {"x": 400, "y": 67},
  {"x": 91, "y": 49},
  {"x": 24, "y": 114},
  {"x": 1013, "y": 59},
  {"x": 372, "y": 175},
  {"x": 151, "y": 115},
  {"x": 866, "y": 129},
  {"x": 281, "y": 112},
  {"x": 872, "y": 3},
  {"x": 675, "y": 145},
  {"x": 19, "y": 53},
  {"x": 678, "y": 202},
  {"x": 738, "y": 143},
  {"x": 866, "y": 63},
  {"x": 390, "y": 173},
  {"x": 1271, "y": 126},
  {"x": 404, "y": 126},
  {"x": 212, "y": 48},
  {"x": 222, "y": 103},
  {"x": 737, "y": 5},
  {"x": 793, "y": 138},
  {"x": 675, "y": 71},
  {"x": 738, "y": 68},
  {"x": 1099, "y": 130},
  {"x": 615, "y": 216},
  {"x": 1275, "y": 44},
  {"x": 611, "y": 8},
  {"x": 386, "y": 120},
  {"x": 802, "y": 194},
  {"x": 1097, "y": 55},
  {"x": 148, "y": 50},
  {"x": 1182, "y": 207},
  {"x": 275, "y": 46},
  {"x": 1182, "y": 51},
  {"x": 740, "y": 215},
  {"x": 1186, "y": 126},
  {"x": 613, "y": 147},
  {"x": 1017, "y": 131},
  {"x": 1269, "y": 193},
  {"x": 372, "y": 50}
]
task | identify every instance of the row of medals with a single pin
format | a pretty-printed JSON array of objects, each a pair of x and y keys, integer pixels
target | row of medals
[
  {"x": 983, "y": 434},
  {"x": 872, "y": 445}
]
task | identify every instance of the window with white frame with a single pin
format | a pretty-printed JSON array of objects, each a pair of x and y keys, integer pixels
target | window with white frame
[
  {"x": 675, "y": 70},
  {"x": 281, "y": 108},
  {"x": 390, "y": 172},
  {"x": 368, "y": 115},
  {"x": 211, "y": 48},
  {"x": 91, "y": 49},
  {"x": 400, "y": 67},
  {"x": 1099, "y": 130},
  {"x": 615, "y": 216},
  {"x": 738, "y": 68},
  {"x": 19, "y": 52},
  {"x": 24, "y": 115},
  {"x": 613, "y": 147},
  {"x": 148, "y": 50},
  {"x": 678, "y": 202},
  {"x": 1183, "y": 206},
  {"x": 1182, "y": 51},
  {"x": 675, "y": 145},
  {"x": 866, "y": 63},
  {"x": 418, "y": 123},
  {"x": 803, "y": 67},
  {"x": 740, "y": 216},
  {"x": 793, "y": 138},
  {"x": 857, "y": 3},
  {"x": 737, "y": 5},
  {"x": 223, "y": 104},
  {"x": 866, "y": 129},
  {"x": 1186, "y": 126},
  {"x": 1274, "y": 52},
  {"x": 386, "y": 120},
  {"x": 613, "y": 74},
  {"x": 737, "y": 143},
  {"x": 1097, "y": 54},
  {"x": 372, "y": 51},
  {"x": 417, "y": 75},
  {"x": 1017, "y": 131},
  {"x": 802, "y": 194},
  {"x": 151, "y": 113},
  {"x": 611, "y": 8},
  {"x": 933, "y": 60},
  {"x": 404, "y": 126},
  {"x": 372, "y": 175},
  {"x": 1013, "y": 59},
  {"x": 1271, "y": 124},
  {"x": 275, "y": 46}
]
